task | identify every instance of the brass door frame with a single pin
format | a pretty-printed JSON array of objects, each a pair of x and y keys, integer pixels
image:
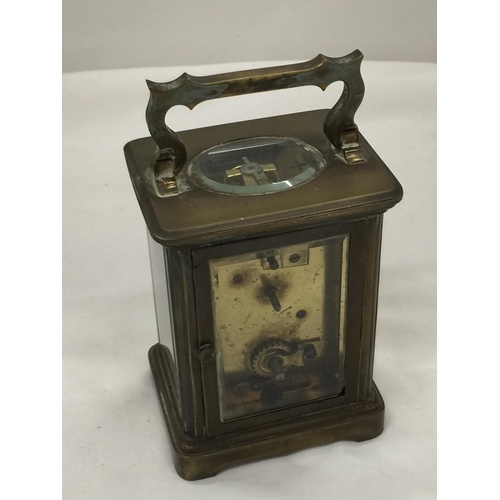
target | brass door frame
[{"x": 357, "y": 231}]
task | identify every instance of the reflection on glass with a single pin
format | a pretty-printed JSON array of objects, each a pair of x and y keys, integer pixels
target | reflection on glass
[
  {"x": 256, "y": 166},
  {"x": 163, "y": 306},
  {"x": 279, "y": 320}
]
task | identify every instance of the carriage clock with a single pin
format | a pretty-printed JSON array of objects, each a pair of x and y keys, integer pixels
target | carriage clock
[{"x": 264, "y": 240}]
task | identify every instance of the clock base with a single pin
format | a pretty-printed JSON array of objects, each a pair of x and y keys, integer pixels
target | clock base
[{"x": 205, "y": 457}]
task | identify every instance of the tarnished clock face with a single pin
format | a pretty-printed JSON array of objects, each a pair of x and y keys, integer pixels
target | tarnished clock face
[
  {"x": 256, "y": 166},
  {"x": 279, "y": 321}
]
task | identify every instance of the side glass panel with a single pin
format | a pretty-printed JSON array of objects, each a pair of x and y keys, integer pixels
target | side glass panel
[
  {"x": 279, "y": 321},
  {"x": 163, "y": 305}
]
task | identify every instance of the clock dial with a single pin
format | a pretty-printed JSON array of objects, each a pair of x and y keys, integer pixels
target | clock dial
[{"x": 279, "y": 321}]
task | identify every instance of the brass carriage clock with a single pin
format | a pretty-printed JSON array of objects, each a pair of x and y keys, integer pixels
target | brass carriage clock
[{"x": 264, "y": 239}]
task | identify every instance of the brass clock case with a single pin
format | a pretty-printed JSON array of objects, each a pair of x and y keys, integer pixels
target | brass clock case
[{"x": 264, "y": 240}]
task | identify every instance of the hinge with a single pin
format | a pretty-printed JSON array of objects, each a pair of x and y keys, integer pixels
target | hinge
[
  {"x": 351, "y": 147},
  {"x": 206, "y": 353},
  {"x": 164, "y": 177}
]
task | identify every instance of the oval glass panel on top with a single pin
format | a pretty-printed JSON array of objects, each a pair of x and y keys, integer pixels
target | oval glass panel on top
[{"x": 258, "y": 165}]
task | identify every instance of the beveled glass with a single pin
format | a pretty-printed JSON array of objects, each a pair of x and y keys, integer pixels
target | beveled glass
[
  {"x": 257, "y": 165},
  {"x": 279, "y": 323}
]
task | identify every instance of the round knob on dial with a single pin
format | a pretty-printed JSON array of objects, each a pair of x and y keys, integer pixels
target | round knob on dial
[{"x": 310, "y": 351}]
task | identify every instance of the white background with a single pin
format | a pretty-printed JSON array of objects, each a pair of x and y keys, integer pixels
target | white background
[{"x": 125, "y": 34}]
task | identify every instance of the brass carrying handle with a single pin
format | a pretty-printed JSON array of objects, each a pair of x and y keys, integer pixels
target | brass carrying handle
[{"x": 321, "y": 71}]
